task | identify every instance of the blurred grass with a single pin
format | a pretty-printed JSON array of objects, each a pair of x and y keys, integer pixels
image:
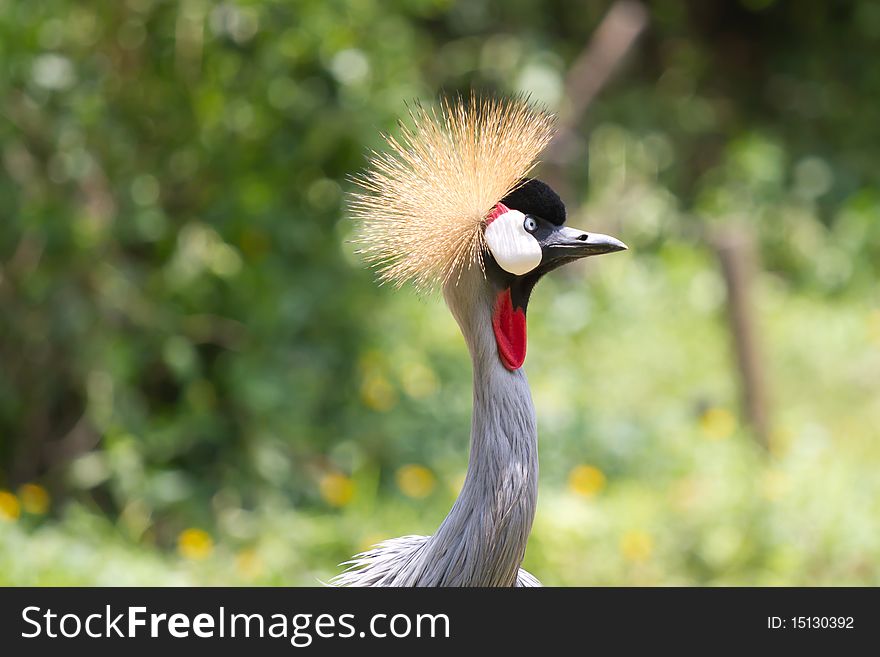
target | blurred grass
[{"x": 686, "y": 495}]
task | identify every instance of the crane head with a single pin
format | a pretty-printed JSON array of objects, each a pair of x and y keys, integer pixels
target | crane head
[
  {"x": 451, "y": 195},
  {"x": 526, "y": 238},
  {"x": 423, "y": 202}
]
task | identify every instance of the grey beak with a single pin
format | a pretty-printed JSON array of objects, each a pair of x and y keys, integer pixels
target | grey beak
[{"x": 569, "y": 244}]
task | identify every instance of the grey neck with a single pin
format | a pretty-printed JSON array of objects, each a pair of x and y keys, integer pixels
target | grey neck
[{"x": 483, "y": 539}]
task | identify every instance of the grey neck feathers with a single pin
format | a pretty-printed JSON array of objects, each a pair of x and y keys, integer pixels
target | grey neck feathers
[{"x": 483, "y": 539}]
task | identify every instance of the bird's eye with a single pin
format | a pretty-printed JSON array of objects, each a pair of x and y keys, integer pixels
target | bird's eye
[{"x": 530, "y": 224}]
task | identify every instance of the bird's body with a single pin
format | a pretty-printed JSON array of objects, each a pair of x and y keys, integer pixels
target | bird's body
[
  {"x": 384, "y": 564},
  {"x": 483, "y": 539},
  {"x": 488, "y": 244}
]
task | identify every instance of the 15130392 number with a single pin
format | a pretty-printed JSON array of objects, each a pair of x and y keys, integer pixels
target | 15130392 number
[{"x": 810, "y": 623}]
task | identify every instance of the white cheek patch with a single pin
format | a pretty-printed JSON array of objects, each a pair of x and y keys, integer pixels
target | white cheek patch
[{"x": 513, "y": 247}]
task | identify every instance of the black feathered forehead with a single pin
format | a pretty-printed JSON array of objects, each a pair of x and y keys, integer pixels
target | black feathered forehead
[{"x": 535, "y": 197}]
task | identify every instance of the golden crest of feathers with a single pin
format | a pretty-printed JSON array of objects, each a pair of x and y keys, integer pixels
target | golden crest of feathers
[{"x": 422, "y": 205}]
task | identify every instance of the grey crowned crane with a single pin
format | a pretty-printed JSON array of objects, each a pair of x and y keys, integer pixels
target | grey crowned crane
[{"x": 450, "y": 205}]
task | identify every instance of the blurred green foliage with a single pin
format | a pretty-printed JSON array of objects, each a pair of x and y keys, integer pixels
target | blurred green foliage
[{"x": 200, "y": 383}]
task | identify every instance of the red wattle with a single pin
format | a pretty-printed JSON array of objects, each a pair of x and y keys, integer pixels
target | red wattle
[
  {"x": 509, "y": 325},
  {"x": 496, "y": 212}
]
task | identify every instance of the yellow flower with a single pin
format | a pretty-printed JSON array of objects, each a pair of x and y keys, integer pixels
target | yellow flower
[
  {"x": 378, "y": 393},
  {"x": 419, "y": 380},
  {"x": 10, "y": 509},
  {"x": 415, "y": 480},
  {"x": 586, "y": 480},
  {"x": 248, "y": 564},
  {"x": 717, "y": 423},
  {"x": 336, "y": 489},
  {"x": 636, "y": 545},
  {"x": 34, "y": 499},
  {"x": 195, "y": 544}
]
